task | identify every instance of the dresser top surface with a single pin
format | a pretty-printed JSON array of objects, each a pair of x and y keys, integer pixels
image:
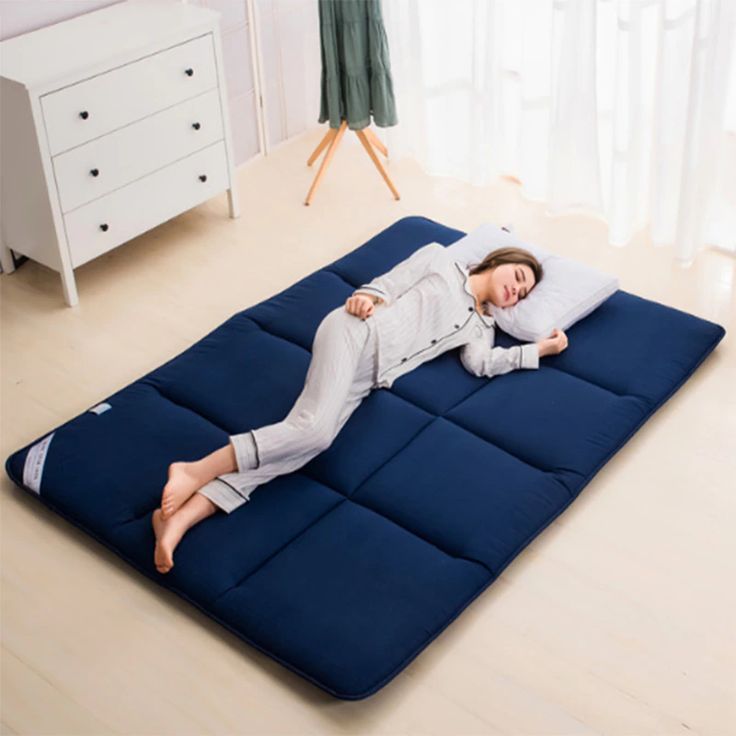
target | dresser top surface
[{"x": 72, "y": 47}]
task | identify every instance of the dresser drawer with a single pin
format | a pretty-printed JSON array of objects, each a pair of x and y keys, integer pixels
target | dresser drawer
[
  {"x": 93, "y": 169},
  {"x": 108, "y": 101},
  {"x": 109, "y": 221}
]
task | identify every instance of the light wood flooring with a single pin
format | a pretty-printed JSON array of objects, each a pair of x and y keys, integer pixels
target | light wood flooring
[{"x": 618, "y": 619}]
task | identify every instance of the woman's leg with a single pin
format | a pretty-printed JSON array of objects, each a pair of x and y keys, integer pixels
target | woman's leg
[
  {"x": 337, "y": 380},
  {"x": 341, "y": 373},
  {"x": 186, "y": 478},
  {"x": 169, "y": 532}
]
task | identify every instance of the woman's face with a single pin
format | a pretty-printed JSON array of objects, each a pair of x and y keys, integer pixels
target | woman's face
[{"x": 510, "y": 282}]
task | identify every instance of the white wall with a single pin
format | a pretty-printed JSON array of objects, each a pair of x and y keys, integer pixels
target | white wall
[{"x": 290, "y": 51}]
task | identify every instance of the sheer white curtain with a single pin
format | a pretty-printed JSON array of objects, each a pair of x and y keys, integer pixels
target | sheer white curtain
[{"x": 624, "y": 108}]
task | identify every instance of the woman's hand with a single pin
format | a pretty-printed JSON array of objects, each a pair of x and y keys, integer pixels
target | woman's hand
[
  {"x": 554, "y": 344},
  {"x": 362, "y": 305}
]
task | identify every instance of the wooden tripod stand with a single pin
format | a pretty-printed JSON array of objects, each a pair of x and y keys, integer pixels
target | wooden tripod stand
[{"x": 332, "y": 139}]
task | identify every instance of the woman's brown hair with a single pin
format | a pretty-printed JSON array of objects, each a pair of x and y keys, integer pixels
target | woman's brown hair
[{"x": 510, "y": 255}]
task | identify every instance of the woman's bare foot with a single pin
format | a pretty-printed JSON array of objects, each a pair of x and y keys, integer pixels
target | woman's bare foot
[
  {"x": 169, "y": 532},
  {"x": 183, "y": 481},
  {"x": 168, "y": 535}
]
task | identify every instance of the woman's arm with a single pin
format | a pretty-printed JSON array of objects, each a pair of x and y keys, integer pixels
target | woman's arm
[
  {"x": 392, "y": 284},
  {"x": 480, "y": 359}
]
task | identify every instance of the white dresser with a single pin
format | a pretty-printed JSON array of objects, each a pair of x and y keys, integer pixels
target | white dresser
[{"x": 111, "y": 123}]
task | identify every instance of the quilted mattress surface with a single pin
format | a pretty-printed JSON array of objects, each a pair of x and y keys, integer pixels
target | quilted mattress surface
[{"x": 345, "y": 570}]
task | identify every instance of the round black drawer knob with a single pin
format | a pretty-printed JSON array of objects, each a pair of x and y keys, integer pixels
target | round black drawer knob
[
  {"x": 94, "y": 172},
  {"x": 203, "y": 177},
  {"x": 196, "y": 126},
  {"x": 189, "y": 72},
  {"x": 470, "y": 309},
  {"x": 403, "y": 360},
  {"x": 457, "y": 327},
  {"x": 434, "y": 341},
  {"x": 84, "y": 114},
  {"x": 104, "y": 227}
]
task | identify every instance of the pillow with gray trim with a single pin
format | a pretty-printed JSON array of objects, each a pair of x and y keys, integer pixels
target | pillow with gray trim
[{"x": 569, "y": 290}]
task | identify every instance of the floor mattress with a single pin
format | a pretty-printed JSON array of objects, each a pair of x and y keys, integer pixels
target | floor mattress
[{"x": 347, "y": 569}]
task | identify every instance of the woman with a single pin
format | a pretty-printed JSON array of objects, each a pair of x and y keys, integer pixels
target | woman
[{"x": 424, "y": 306}]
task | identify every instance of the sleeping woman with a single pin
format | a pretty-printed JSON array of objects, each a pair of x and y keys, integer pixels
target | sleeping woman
[{"x": 427, "y": 304}]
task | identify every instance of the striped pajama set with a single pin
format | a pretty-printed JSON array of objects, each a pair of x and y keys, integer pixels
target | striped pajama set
[{"x": 429, "y": 308}]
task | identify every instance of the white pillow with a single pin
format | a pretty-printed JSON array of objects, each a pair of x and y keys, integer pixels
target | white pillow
[{"x": 568, "y": 291}]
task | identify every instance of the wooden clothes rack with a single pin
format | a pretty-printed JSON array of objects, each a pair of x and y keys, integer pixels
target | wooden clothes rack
[{"x": 332, "y": 139}]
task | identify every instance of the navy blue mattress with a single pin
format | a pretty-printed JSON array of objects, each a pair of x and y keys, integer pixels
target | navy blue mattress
[{"x": 347, "y": 569}]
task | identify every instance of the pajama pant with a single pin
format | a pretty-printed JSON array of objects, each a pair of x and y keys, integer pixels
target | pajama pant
[{"x": 342, "y": 372}]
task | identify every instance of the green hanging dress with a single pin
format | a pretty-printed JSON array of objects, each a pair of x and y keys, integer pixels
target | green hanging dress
[{"x": 356, "y": 73}]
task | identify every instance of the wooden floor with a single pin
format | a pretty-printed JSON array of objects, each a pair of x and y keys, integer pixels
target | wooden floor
[{"x": 617, "y": 619}]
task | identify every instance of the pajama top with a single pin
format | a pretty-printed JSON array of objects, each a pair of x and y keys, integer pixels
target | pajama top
[{"x": 429, "y": 308}]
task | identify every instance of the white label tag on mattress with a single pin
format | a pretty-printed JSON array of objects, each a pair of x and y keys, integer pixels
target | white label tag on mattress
[
  {"x": 104, "y": 406},
  {"x": 33, "y": 467}
]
